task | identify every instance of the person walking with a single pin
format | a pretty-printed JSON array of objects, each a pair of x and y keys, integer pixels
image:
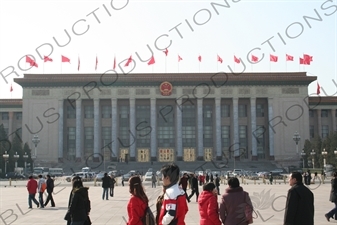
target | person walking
[
  {"x": 50, "y": 189},
  {"x": 207, "y": 177},
  {"x": 31, "y": 188},
  {"x": 183, "y": 183},
  {"x": 174, "y": 206},
  {"x": 300, "y": 202},
  {"x": 271, "y": 178},
  {"x": 138, "y": 201},
  {"x": 123, "y": 180},
  {"x": 194, "y": 187},
  {"x": 217, "y": 183},
  {"x": 41, "y": 185},
  {"x": 208, "y": 205},
  {"x": 105, "y": 185},
  {"x": 232, "y": 201},
  {"x": 333, "y": 198},
  {"x": 112, "y": 185},
  {"x": 154, "y": 180}
]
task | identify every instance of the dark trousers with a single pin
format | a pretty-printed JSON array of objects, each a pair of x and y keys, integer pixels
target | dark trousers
[
  {"x": 218, "y": 189},
  {"x": 186, "y": 194},
  {"x": 105, "y": 193},
  {"x": 111, "y": 191},
  {"x": 41, "y": 199},
  {"x": 333, "y": 212},
  {"x": 31, "y": 197},
  {"x": 196, "y": 191},
  {"x": 154, "y": 184},
  {"x": 50, "y": 198}
]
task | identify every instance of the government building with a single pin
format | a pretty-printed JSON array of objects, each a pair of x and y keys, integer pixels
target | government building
[{"x": 168, "y": 117}]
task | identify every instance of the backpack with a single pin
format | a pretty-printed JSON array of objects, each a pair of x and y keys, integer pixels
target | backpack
[
  {"x": 43, "y": 187},
  {"x": 148, "y": 218}
]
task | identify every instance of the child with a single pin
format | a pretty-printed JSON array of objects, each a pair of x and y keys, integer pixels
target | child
[{"x": 174, "y": 197}]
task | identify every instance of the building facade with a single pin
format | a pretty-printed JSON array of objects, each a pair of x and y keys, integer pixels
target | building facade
[{"x": 168, "y": 117}]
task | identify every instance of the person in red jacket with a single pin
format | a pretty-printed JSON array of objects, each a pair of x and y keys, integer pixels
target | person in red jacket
[
  {"x": 174, "y": 197},
  {"x": 138, "y": 201},
  {"x": 208, "y": 205},
  {"x": 32, "y": 187}
]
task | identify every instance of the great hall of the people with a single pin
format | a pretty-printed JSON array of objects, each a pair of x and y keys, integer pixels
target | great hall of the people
[{"x": 168, "y": 117}]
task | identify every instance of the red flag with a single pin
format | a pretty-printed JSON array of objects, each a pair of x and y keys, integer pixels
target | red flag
[
  {"x": 318, "y": 89},
  {"x": 33, "y": 63},
  {"x": 236, "y": 60},
  {"x": 79, "y": 63},
  {"x": 151, "y": 61},
  {"x": 166, "y": 52},
  {"x": 304, "y": 62},
  {"x": 289, "y": 57},
  {"x": 307, "y": 59},
  {"x": 179, "y": 58},
  {"x": 301, "y": 61},
  {"x": 46, "y": 59},
  {"x": 65, "y": 59},
  {"x": 28, "y": 59},
  {"x": 129, "y": 61},
  {"x": 96, "y": 63},
  {"x": 219, "y": 59},
  {"x": 114, "y": 67},
  {"x": 254, "y": 58},
  {"x": 273, "y": 58},
  {"x": 11, "y": 88},
  {"x": 199, "y": 58}
]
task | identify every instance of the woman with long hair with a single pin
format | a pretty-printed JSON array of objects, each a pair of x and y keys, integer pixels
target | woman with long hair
[
  {"x": 333, "y": 198},
  {"x": 138, "y": 201},
  {"x": 208, "y": 205}
]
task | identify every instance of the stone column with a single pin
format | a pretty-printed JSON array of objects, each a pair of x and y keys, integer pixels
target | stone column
[
  {"x": 97, "y": 136},
  {"x": 200, "y": 130},
  {"x": 10, "y": 126},
  {"x": 319, "y": 123},
  {"x": 114, "y": 152},
  {"x": 333, "y": 116},
  {"x": 179, "y": 127},
  {"x": 217, "y": 122},
  {"x": 60, "y": 131},
  {"x": 271, "y": 132},
  {"x": 154, "y": 130},
  {"x": 132, "y": 129},
  {"x": 235, "y": 146},
  {"x": 79, "y": 137},
  {"x": 253, "y": 127}
]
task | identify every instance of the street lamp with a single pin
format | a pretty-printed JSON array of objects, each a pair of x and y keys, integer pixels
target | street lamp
[
  {"x": 35, "y": 141},
  {"x": 303, "y": 154},
  {"x": 5, "y": 156},
  {"x": 296, "y": 138},
  {"x": 324, "y": 153},
  {"x": 313, "y": 153},
  {"x": 25, "y": 157},
  {"x": 16, "y": 157}
]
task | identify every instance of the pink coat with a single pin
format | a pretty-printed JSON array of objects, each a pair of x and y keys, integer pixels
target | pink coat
[{"x": 232, "y": 207}]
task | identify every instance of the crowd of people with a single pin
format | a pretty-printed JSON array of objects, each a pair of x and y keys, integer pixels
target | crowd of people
[{"x": 235, "y": 206}]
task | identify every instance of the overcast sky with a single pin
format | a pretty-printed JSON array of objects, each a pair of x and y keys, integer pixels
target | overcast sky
[{"x": 108, "y": 29}]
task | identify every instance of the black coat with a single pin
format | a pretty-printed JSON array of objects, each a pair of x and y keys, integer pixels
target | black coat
[
  {"x": 299, "y": 206},
  {"x": 50, "y": 185},
  {"x": 194, "y": 183},
  {"x": 333, "y": 194},
  {"x": 80, "y": 204},
  {"x": 106, "y": 182}
]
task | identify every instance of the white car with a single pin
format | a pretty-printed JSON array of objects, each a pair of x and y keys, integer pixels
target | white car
[{"x": 148, "y": 176}]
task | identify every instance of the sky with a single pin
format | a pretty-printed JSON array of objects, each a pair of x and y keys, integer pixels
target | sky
[{"x": 118, "y": 29}]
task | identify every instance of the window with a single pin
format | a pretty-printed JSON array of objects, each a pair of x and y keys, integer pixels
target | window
[
  {"x": 5, "y": 116},
  {"x": 311, "y": 113},
  {"x": 71, "y": 142},
  {"x": 88, "y": 141},
  {"x": 18, "y": 115},
  {"x": 225, "y": 136},
  {"x": 71, "y": 112},
  {"x": 106, "y": 111},
  {"x": 243, "y": 136},
  {"x": 259, "y": 134},
  {"x": 242, "y": 110},
  {"x": 312, "y": 132},
  {"x": 106, "y": 135},
  {"x": 324, "y": 113},
  {"x": 188, "y": 126},
  {"x": 88, "y": 111},
  {"x": 259, "y": 110},
  {"x": 225, "y": 110},
  {"x": 325, "y": 131},
  {"x": 143, "y": 128}
]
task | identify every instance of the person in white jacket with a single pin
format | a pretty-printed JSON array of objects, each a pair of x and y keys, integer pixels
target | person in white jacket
[{"x": 41, "y": 184}]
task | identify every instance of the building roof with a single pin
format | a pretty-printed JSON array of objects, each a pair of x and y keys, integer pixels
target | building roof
[
  {"x": 155, "y": 79},
  {"x": 324, "y": 100},
  {"x": 10, "y": 102}
]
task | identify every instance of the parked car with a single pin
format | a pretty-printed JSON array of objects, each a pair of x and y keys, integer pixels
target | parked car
[
  {"x": 148, "y": 176},
  {"x": 116, "y": 173},
  {"x": 131, "y": 173},
  {"x": 14, "y": 175},
  {"x": 83, "y": 175}
]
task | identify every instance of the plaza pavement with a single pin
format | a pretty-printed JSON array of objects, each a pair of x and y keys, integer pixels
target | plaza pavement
[{"x": 269, "y": 202}]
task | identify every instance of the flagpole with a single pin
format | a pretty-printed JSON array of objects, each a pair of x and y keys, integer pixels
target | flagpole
[
  {"x": 165, "y": 63},
  {"x": 43, "y": 67}
]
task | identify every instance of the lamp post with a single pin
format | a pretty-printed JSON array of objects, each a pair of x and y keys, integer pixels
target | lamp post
[
  {"x": 313, "y": 153},
  {"x": 16, "y": 157},
  {"x": 296, "y": 138},
  {"x": 303, "y": 154},
  {"x": 324, "y": 153},
  {"x": 5, "y": 156},
  {"x": 25, "y": 157},
  {"x": 35, "y": 141}
]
